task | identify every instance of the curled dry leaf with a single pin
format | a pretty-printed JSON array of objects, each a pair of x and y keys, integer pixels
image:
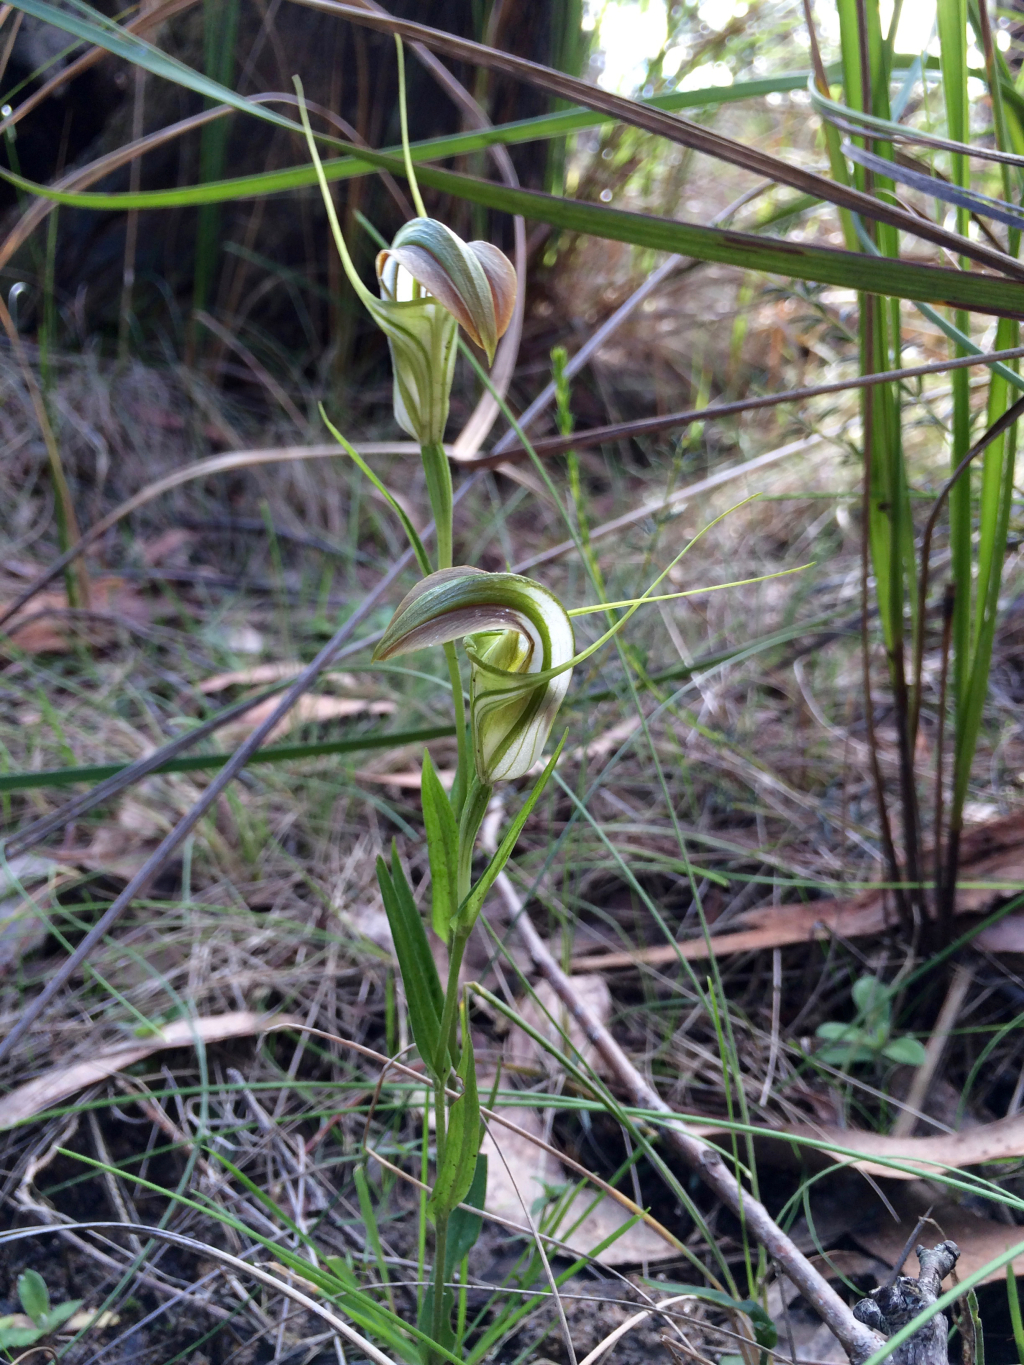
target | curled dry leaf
[
  {"x": 980, "y": 1239},
  {"x": 42, "y": 626},
  {"x": 308, "y": 710},
  {"x": 259, "y": 675},
  {"x": 410, "y": 779},
  {"x": 61, "y": 1082},
  {"x": 991, "y": 853},
  {"x": 1005, "y": 936},
  {"x": 27, "y": 886},
  {"x": 926, "y": 1156}
]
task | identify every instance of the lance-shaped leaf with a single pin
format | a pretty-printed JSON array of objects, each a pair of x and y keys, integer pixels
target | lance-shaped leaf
[
  {"x": 458, "y": 1165},
  {"x": 442, "y": 848},
  {"x": 517, "y": 629},
  {"x": 419, "y": 974}
]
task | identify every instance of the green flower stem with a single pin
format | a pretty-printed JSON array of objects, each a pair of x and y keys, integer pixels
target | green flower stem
[
  {"x": 440, "y": 1253},
  {"x": 449, "y": 1014},
  {"x": 441, "y": 1073},
  {"x": 473, "y": 812},
  {"x": 441, "y": 1220},
  {"x": 439, "y": 488}
]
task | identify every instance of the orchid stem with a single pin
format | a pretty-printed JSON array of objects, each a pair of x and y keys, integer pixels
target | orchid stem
[{"x": 439, "y": 488}]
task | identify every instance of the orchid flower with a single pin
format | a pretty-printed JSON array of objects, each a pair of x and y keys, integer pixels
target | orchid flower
[
  {"x": 431, "y": 282},
  {"x": 520, "y": 644}
]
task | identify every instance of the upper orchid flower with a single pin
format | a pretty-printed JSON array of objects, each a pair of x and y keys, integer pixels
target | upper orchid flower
[{"x": 430, "y": 282}]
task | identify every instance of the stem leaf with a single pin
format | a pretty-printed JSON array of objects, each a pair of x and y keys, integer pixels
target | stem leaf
[
  {"x": 442, "y": 847},
  {"x": 457, "y": 1166},
  {"x": 415, "y": 961}
]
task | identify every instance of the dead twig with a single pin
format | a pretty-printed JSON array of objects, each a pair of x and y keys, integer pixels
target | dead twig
[{"x": 893, "y": 1306}]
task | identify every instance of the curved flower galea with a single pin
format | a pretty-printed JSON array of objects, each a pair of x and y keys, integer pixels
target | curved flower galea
[
  {"x": 520, "y": 645},
  {"x": 431, "y": 281}
]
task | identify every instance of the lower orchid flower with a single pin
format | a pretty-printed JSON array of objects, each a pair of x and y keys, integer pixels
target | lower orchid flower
[{"x": 520, "y": 644}]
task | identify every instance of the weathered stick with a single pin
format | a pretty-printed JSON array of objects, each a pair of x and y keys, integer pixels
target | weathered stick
[
  {"x": 857, "y": 1338},
  {"x": 892, "y": 1307}
]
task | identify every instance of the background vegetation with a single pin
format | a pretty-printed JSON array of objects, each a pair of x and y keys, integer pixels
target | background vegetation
[{"x": 778, "y": 864}]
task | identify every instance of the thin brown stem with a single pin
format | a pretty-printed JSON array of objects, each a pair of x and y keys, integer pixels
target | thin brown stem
[
  {"x": 682, "y": 131},
  {"x": 649, "y": 426},
  {"x": 884, "y": 824},
  {"x": 948, "y": 600}
]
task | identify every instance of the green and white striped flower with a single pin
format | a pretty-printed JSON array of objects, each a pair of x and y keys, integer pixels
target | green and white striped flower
[
  {"x": 431, "y": 281},
  {"x": 521, "y": 649}
]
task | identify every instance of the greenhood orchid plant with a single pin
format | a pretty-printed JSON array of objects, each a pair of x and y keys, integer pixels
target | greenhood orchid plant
[{"x": 518, "y": 640}]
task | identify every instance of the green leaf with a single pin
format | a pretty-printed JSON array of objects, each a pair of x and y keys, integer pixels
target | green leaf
[
  {"x": 907, "y": 1051},
  {"x": 276, "y": 753},
  {"x": 471, "y": 906},
  {"x": 850, "y": 1054},
  {"x": 765, "y": 1333},
  {"x": 975, "y": 291},
  {"x": 33, "y": 1295},
  {"x": 1015, "y": 1316},
  {"x": 464, "y": 1227},
  {"x": 11, "y": 1337},
  {"x": 94, "y": 27},
  {"x": 415, "y": 962},
  {"x": 365, "y": 1312},
  {"x": 422, "y": 559},
  {"x": 60, "y": 1314},
  {"x": 458, "y": 1165},
  {"x": 979, "y": 1332},
  {"x": 442, "y": 847},
  {"x": 872, "y": 1000},
  {"x": 841, "y": 1033}
]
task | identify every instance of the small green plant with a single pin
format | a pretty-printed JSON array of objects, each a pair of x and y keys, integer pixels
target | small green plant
[
  {"x": 35, "y": 1300},
  {"x": 518, "y": 640},
  {"x": 869, "y": 1037}
]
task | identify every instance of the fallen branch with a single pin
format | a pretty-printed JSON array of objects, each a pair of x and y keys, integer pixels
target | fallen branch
[{"x": 896, "y": 1303}]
